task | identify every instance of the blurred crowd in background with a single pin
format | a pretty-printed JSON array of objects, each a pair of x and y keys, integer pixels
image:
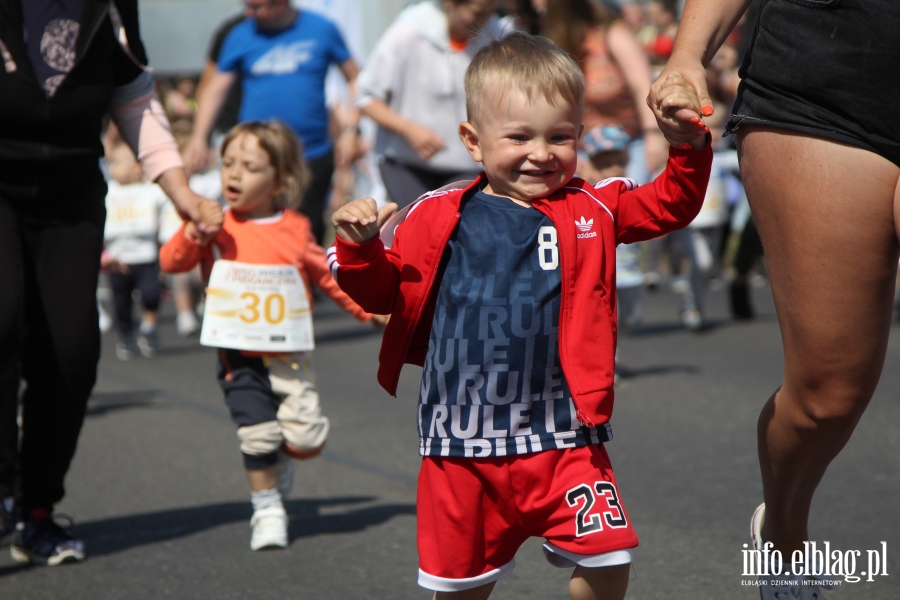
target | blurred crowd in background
[{"x": 392, "y": 116}]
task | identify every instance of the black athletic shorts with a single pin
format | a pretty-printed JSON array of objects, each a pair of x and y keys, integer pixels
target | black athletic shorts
[{"x": 827, "y": 68}]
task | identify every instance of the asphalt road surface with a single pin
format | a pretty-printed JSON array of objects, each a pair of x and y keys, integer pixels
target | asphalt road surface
[{"x": 158, "y": 494}]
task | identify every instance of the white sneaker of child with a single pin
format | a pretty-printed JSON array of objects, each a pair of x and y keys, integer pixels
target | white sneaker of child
[
  {"x": 269, "y": 528},
  {"x": 187, "y": 324}
]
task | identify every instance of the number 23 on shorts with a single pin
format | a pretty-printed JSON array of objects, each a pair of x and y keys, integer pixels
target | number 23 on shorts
[{"x": 609, "y": 509}]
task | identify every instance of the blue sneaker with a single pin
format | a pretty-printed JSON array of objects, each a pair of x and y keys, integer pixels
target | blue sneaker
[{"x": 44, "y": 542}]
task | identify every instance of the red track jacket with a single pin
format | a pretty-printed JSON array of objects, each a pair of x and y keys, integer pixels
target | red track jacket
[{"x": 590, "y": 222}]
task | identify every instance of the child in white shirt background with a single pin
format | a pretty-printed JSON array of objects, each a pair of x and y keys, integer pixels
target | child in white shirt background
[{"x": 131, "y": 252}]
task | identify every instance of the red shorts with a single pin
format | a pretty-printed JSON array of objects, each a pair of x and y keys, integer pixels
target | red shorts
[{"x": 474, "y": 514}]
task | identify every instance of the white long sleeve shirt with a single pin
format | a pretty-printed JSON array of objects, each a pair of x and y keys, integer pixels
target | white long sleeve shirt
[{"x": 419, "y": 76}]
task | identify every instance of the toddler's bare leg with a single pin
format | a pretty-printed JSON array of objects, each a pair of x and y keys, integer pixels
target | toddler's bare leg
[
  {"x": 479, "y": 593},
  {"x": 263, "y": 479},
  {"x": 600, "y": 583},
  {"x": 184, "y": 301}
]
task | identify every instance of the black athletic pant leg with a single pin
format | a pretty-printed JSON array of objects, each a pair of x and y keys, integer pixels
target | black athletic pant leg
[
  {"x": 122, "y": 285},
  {"x": 11, "y": 318},
  {"x": 316, "y": 196},
  {"x": 148, "y": 283},
  {"x": 143, "y": 277},
  {"x": 62, "y": 342}
]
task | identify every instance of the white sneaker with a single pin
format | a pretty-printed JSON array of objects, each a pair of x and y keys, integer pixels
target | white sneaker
[
  {"x": 680, "y": 284},
  {"x": 692, "y": 320},
  {"x": 187, "y": 324},
  {"x": 756, "y": 522},
  {"x": 652, "y": 279},
  {"x": 269, "y": 528},
  {"x": 285, "y": 469},
  {"x": 800, "y": 587},
  {"x": 106, "y": 321}
]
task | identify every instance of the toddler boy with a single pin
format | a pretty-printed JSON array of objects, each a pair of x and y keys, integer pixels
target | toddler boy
[{"x": 504, "y": 291}]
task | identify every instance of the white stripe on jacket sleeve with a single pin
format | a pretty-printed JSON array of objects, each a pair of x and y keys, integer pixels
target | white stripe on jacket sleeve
[{"x": 333, "y": 264}]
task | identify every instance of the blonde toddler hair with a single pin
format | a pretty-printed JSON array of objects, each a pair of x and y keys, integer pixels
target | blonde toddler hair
[
  {"x": 527, "y": 63},
  {"x": 285, "y": 152}
]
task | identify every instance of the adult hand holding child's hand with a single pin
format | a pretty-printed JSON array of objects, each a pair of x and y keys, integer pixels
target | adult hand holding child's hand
[
  {"x": 192, "y": 233},
  {"x": 206, "y": 214},
  {"x": 211, "y": 219},
  {"x": 676, "y": 104},
  {"x": 206, "y": 224},
  {"x": 360, "y": 220},
  {"x": 210, "y": 216}
]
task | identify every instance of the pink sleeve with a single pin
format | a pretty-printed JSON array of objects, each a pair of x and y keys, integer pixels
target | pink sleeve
[{"x": 145, "y": 128}]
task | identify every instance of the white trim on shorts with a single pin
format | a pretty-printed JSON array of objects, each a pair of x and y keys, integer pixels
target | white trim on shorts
[
  {"x": 564, "y": 559},
  {"x": 442, "y": 584}
]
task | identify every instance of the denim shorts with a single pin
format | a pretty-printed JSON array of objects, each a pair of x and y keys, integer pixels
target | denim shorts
[{"x": 826, "y": 68}]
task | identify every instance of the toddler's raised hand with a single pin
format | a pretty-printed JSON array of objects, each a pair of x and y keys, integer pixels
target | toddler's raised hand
[
  {"x": 359, "y": 221},
  {"x": 678, "y": 112}
]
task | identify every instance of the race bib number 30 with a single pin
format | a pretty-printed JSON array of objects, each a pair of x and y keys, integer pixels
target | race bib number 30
[{"x": 263, "y": 308}]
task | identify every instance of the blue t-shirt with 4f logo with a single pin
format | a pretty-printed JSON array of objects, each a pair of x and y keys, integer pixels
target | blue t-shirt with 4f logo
[
  {"x": 492, "y": 383},
  {"x": 283, "y": 74}
]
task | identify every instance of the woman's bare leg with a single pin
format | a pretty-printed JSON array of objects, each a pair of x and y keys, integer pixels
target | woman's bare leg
[{"x": 826, "y": 215}]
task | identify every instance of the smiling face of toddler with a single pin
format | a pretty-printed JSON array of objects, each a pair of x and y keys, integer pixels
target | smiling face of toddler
[{"x": 527, "y": 146}]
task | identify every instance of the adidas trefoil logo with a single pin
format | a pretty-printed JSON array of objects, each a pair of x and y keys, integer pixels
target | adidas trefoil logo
[{"x": 584, "y": 227}]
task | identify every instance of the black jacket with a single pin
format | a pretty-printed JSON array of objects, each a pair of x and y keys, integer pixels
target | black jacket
[{"x": 49, "y": 144}]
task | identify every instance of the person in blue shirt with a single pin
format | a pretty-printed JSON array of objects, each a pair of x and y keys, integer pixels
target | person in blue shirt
[{"x": 282, "y": 55}]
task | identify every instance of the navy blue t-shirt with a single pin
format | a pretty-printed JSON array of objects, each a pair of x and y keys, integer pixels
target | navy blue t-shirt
[
  {"x": 492, "y": 383},
  {"x": 51, "y": 31}
]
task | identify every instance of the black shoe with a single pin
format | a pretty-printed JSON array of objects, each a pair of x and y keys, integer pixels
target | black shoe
[
  {"x": 7, "y": 521},
  {"x": 43, "y": 541},
  {"x": 741, "y": 308}
]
